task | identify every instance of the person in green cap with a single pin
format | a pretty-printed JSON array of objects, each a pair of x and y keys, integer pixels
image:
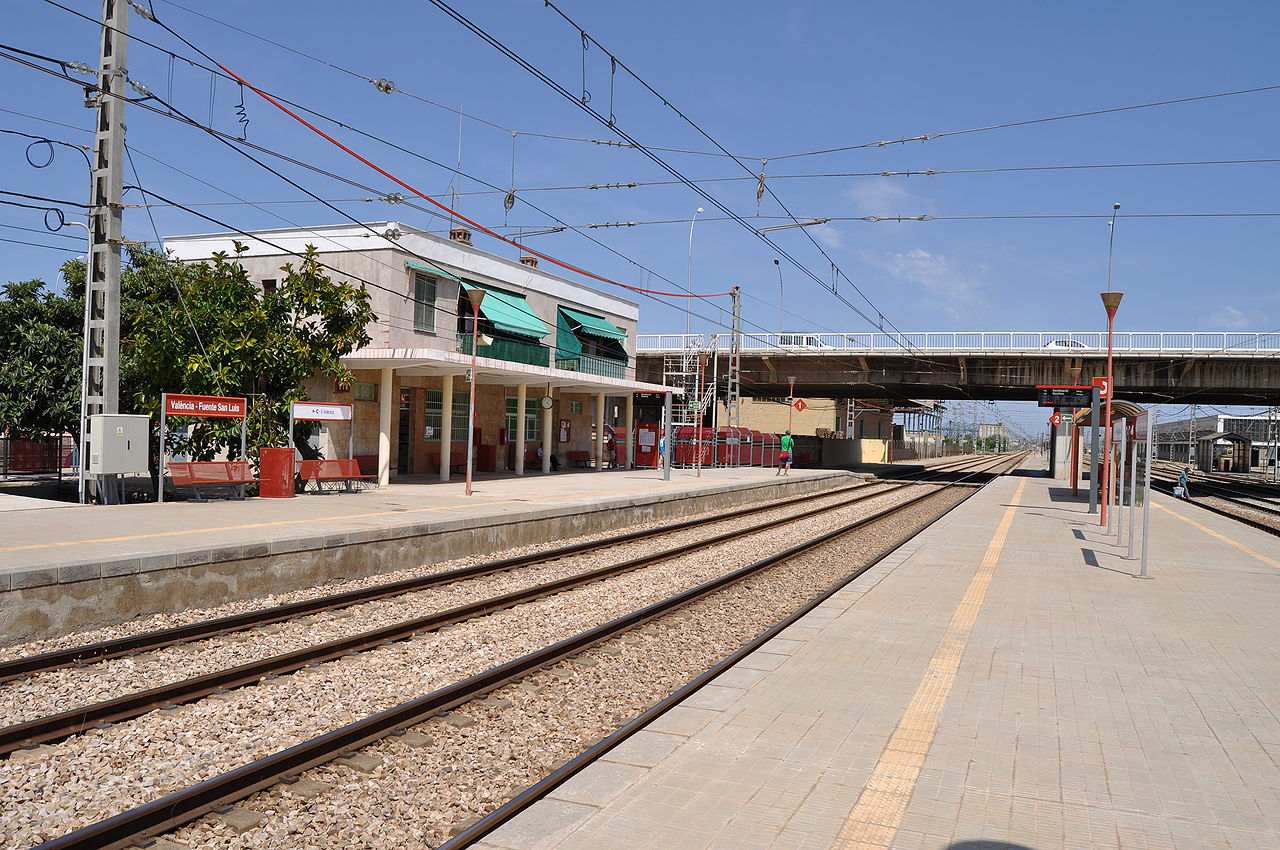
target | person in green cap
[{"x": 786, "y": 452}]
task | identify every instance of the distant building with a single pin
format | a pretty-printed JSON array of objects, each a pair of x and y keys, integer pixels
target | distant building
[{"x": 1174, "y": 439}]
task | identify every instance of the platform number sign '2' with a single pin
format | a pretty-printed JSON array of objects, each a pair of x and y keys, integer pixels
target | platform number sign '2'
[
  {"x": 1055, "y": 420},
  {"x": 1103, "y": 385}
]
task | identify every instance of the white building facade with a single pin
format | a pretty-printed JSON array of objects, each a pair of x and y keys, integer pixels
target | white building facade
[{"x": 555, "y": 359}]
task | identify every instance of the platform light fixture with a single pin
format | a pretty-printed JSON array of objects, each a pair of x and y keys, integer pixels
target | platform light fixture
[{"x": 476, "y": 295}]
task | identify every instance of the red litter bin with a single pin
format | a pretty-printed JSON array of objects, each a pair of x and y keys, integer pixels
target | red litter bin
[{"x": 275, "y": 473}]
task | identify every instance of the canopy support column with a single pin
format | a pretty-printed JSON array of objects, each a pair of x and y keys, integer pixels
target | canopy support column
[
  {"x": 446, "y": 424},
  {"x": 384, "y": 426}
]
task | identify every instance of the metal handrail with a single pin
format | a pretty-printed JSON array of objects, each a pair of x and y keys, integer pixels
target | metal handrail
[{"x": 1223, "y": 343}]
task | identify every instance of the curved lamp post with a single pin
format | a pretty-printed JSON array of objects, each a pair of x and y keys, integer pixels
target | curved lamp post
[
  {"x": 688, "y": 278},
  {"x": 1111, "y": 302},
  {"x": 476, "y": 295}
]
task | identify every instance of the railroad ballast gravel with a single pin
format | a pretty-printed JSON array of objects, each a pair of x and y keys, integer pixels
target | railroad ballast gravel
[
  {"x": 106, "y": 771},
  {"x": 418, "y": 796},
  {"x": 68, "y": 687},
  {"x": 156, "y": 622}
]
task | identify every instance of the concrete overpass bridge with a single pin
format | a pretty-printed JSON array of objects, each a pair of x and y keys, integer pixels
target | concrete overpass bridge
[{"x": 1150, "y": 367}]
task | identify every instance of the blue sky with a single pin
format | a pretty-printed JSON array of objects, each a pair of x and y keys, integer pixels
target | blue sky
[{"x": 763, "y": 83}]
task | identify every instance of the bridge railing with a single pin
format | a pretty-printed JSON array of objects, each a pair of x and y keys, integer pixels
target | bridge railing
[{"x": 1223, "y": 343}]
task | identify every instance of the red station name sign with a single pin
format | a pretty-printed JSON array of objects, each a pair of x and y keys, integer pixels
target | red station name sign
[{"x": 228, "y": 407}]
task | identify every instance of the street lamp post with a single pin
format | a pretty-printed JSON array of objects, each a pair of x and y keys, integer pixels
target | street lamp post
[
  {"x": 781, "y": 321},
  {"x": 1111, "y": 302},
  {"x": 688, "y": 278},
  {"x": 476, "y": 295}
]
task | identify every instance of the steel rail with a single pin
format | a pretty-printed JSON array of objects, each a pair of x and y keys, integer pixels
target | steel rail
[
  {"x": 1166, "y": 487},
  {"x": 116, "y": 648},
  {"x": 526, "y": 798},
  {"x": 180, "y": 807},
  {"x": 56, "y": 727}
]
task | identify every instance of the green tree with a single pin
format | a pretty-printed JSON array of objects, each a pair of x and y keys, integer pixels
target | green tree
[
  {"x": 40, "y": 353},
  {"x": 206, "y": 328}
]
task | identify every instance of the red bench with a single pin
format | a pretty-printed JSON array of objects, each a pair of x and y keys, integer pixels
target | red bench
[
  {"x": 457, "y": 461},
  {"x": 579, "y": 458},
  {"x": 341, "y": 471},
  {"x": 212, "y": 473}
]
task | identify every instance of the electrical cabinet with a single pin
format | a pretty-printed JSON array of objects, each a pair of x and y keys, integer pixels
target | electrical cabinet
[{"x": 118, "y": 443}]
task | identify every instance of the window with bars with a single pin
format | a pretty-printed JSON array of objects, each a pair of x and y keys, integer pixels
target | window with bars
[
  {"x": 433, "y": 413},
  {"x": 532, "y": 419},
  {"x": 424, "y": 302}
]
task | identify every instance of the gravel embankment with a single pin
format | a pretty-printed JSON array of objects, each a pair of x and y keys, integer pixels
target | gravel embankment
[
  {"x": 106, "y": 771},
  {"x": 155, "y": 622},
  {"x": 65, "y": 688},
  {"x": 418, "y": 796},
  {"x": 1242, "y": 510}
]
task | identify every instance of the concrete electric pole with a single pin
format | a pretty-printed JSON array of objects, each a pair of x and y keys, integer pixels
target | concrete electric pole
[{"x": 100, "y": 389}]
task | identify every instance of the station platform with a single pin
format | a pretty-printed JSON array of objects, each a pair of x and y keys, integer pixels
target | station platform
[
  {"x": 66, "y": 567},
  {"x": 1003, "y": 681}
]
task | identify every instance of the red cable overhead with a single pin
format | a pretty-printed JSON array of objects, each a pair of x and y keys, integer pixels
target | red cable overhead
[{"x": 446, "y": 208}]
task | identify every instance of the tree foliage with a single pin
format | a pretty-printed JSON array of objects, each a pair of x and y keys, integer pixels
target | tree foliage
[
  {"x": 40, "y": 355},
  {"x": 206, "y": 328},
  {"x": 202, "y": 328}
]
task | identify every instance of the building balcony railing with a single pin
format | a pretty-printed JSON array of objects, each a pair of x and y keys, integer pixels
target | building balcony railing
[
  {"x": 511, "y": 350},
  {"x": 592, "y": 365}
]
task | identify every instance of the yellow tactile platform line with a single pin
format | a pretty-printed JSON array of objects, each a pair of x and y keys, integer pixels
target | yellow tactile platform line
[
  {"x": 1209, "y": 531},
  {"x": 873, "y": 822}
]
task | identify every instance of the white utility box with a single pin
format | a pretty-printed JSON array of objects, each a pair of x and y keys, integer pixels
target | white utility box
[{"x": 118, "y": 443}]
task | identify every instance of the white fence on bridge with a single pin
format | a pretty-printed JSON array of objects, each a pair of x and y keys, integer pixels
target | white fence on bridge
[{"x": 1217, "y": 343}]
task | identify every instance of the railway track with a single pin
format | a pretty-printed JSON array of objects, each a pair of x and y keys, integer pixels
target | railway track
[
  {"x": 1229, "y": 500},
  {"x": 202, "y": 797}
]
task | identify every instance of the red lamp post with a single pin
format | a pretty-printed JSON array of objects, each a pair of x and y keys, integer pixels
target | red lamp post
[
  {"x": 1111, "y": 301},
  {"x": 791, "y": 399}
]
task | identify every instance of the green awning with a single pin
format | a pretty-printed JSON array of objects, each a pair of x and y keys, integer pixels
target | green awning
[
  {"x": 509, "y": 312},
  {"x": 594, "y": 325},
  {"x": 431, "y": 270}
]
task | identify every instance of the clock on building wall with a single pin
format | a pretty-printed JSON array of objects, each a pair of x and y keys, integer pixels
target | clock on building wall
[{"x": 547, "y": 402}]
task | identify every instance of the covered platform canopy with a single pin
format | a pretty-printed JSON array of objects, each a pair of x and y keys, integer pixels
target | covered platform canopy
[
  {"x": 1119, "y": 410},
  {"x": 450, "y": 364},
  {"x": 1233, "y": 457}
]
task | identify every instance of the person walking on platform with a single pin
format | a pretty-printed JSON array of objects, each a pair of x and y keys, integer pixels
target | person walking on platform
[
  {"x": 1182, "y": 482},
  {"x": 786, "y": 452},
  {"x": 662, "y": 451}
]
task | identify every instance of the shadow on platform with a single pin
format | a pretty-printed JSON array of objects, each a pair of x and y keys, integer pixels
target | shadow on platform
[{"x": 980, "y": 844}]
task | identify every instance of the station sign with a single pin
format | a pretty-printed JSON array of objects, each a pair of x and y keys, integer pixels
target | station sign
[
  {"x": 226, "y": 407},
  {"x": 322, "y": 412},
  {"x": 1064, "y": 396},
  {"x": 1104, "y": 386},
  {"x": 650, "y": 397},
  {"x": 1067, "y": 418}
]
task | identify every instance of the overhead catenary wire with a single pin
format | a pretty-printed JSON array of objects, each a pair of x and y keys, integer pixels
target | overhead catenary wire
[{"x": 214, "y": 132}]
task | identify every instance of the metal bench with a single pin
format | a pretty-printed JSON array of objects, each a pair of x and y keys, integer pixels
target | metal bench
[
  {"x": 344, "y": 472},
  {"x": 579, "y": 458},
  {"x": 212, "y": 473}
]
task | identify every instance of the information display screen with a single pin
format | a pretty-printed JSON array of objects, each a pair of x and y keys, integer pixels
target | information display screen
[{"x": 1065, "y": 396}]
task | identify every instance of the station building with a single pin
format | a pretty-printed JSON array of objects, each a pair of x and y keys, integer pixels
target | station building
[{"x": 555, "y": 359}]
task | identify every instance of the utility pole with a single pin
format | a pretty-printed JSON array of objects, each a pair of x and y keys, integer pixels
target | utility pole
[
  {"x": 1191, "y": 446},
  {"x": 100, "y": 389},
  {"x": 733, "y": 397}
]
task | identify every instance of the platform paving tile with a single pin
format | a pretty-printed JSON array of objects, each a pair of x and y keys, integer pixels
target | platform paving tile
[{"x": 1088, "y": 710}]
